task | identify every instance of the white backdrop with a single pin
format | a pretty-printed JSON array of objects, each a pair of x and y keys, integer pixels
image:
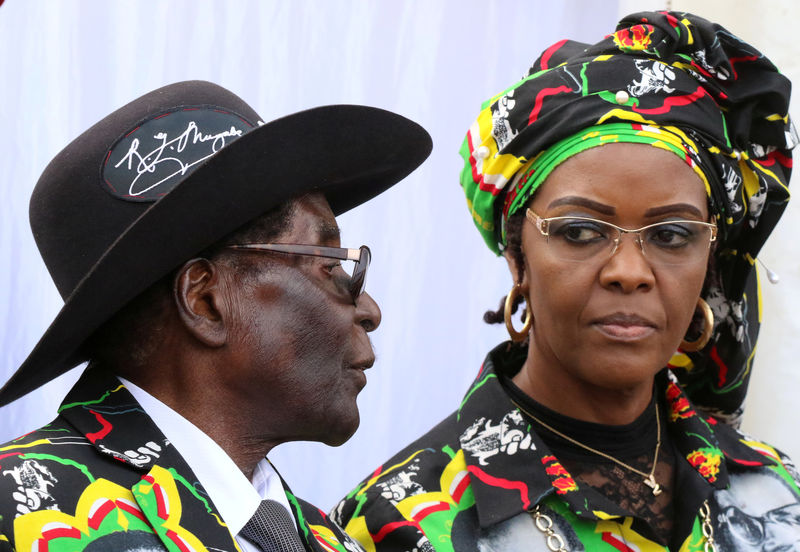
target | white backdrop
[{"x": 64, "y": 65}]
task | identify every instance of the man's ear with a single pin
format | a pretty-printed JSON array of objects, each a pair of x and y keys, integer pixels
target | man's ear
[{"x": 198, "y": 298}]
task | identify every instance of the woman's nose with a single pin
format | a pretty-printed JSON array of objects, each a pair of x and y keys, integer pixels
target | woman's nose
[{"x": 628, "y": 269}]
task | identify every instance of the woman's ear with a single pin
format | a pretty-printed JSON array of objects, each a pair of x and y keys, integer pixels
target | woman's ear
[
  {"x": 517, "y": 268},
  {"x": 198, "y": 297}
]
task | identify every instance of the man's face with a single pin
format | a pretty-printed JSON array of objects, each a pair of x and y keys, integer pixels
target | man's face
[
  {"x": 298, "y": 343},
  {"x": 758, "y": 513}
]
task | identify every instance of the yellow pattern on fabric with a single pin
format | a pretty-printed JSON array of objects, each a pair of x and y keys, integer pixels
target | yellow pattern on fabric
[
  {"x": 681, "y": 360},
  {"x": 27, "y": 445},
  {"x": 164, "y": 490},
  {"x": 778, "y": 117},
  {"x": 374, "y": 478},
  {"x": 688, "y": 25},
  {"x": 497, "y": 169},
  {"x": 627, "y": 535},
  {"x": 325, "y": 537},
  {"x": 769, "y": 173},
  {"x": 483, "y": 224},
  {"x": 623, "y": 115},
  {"x": 695, "y": 542},
  {"x": 357, "y": 528},
  {"x": 33, "y": 527}
]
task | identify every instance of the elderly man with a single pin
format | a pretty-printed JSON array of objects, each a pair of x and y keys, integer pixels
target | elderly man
[{"x": 199, "y": 258}]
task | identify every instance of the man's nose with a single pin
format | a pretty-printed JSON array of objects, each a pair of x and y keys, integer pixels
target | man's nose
[{"x": 368, "y": 314}]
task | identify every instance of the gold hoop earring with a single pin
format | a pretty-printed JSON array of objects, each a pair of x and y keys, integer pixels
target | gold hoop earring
[
  {"x": 516, "y": 336},
  {"x": 708, "y": 329}
]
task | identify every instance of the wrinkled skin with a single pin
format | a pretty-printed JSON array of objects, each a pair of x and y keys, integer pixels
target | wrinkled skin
[
  {"x": 262, "y": 348},
  {"x": 298, "y": 340}
]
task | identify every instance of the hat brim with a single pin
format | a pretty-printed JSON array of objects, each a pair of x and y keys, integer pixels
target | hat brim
[{"x": 349, "y": 153}]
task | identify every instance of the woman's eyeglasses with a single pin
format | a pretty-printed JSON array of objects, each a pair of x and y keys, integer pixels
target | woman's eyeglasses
[
  {"x": 672, "y": 242},
  {"x": 361, "y": 258}
]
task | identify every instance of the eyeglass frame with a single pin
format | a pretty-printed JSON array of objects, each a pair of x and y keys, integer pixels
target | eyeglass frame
[
  {"x": 539, "y": 223},
  {"x": 361, "y": 256}
]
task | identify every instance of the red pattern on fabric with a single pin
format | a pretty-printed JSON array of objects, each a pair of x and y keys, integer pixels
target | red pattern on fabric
[
  {"x": 562, "y": 481},
  {"x": 673, "y": 101},
  {"x": 9, "y": 454},
  {"x": 105, "y": 428},
  {"x": 672, "y": 20},
  {"x": 97, "y": 518},
  {"x": 161, "y": 504},
  {"x": 461, "y": 487},
  {"x": 545, "y": 59},
  {"x": 61, "y": 532},
  {"x": 679, "y": 404},
  {"x": 701, "y": 70},
  {"x": 174, "y": 537},
  {"x": 425, "y": 512},
  {"x": 537, "y": 106},
  {"x": 503, "y": 484},
  {"x": 131, "y": 509},
  {"x": 734, "y": 61},
  {"x": 722, "y": 373},
  {"x": 389, "y": 527},
  {"x": 636, "y": 37},
  {"x": 706, "y": 462},
  {"x": 610, "y": 539},
  {"x": 478, "y": 178},
  {"x": 773, "y": 157}
]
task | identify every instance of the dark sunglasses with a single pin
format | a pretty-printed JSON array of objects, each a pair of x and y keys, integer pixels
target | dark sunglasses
[{"x": 361, "y": 257}]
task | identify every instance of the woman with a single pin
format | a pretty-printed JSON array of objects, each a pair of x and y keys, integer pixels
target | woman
[{"x": 630, "y": 185}]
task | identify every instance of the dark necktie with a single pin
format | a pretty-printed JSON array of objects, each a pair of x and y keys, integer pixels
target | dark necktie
[{"x": 272, "y": 529}]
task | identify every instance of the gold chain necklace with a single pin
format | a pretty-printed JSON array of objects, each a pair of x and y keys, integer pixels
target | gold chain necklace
[{"x": 649, "y": 478}]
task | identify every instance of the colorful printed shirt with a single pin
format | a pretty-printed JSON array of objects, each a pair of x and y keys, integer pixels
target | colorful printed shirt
[
  {"x": 480, "y": 479},
  {"x": 103, "y": 477}
]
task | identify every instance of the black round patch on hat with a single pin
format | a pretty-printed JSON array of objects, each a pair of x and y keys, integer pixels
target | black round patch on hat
[{"x": 150, "y": 159}]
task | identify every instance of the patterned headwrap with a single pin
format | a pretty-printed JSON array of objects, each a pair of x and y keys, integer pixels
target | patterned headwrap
[{"x": 675, "y": 81}]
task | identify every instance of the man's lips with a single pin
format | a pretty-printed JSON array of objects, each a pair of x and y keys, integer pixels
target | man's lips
[
  {"x": 359, "y": 369},
  {"x": 624, "y": 326}
]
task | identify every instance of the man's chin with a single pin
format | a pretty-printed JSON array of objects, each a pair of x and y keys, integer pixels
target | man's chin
[{"x": 341, "y": 434}]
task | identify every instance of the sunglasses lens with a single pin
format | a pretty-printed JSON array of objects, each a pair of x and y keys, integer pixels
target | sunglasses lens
[{"x": 359, "y": 278}]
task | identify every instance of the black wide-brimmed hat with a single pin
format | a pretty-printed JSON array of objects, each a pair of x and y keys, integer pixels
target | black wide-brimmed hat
[{"x": 171, "y": 173}]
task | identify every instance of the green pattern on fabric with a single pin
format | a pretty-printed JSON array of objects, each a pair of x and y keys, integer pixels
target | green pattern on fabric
[
  {"x": 586, "y": 139},
  {"x": 65, "y": 461},
  {"x": 475, "y": 388},
  {"x": 301, "y": 521},
  {"x": 439, "y": 525},
  {"x": 189, "y": 487},
  {"x": 105, "y": 395}
]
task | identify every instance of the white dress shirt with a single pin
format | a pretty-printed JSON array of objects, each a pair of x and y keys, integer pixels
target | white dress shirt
[{"x": 233, "y": 495}]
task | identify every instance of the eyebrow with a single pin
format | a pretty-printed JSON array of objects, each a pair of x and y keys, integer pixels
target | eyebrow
[
  {"x": 328, "y": 232},
  {"x": 674, "y": 208},
  {"x": 583, "y": 202},
  {"x": 609, "y": 210}
]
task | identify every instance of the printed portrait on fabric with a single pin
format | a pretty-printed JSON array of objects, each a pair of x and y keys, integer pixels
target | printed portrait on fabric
[
  {"x": 759, "y": 512},
  {"x": 521, "y": 533}
]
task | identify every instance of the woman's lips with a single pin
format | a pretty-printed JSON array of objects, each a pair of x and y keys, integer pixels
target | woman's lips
[{"x": 625, "y": 327}]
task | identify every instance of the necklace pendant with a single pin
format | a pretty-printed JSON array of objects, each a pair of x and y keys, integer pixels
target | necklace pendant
[{"x": 650, "y": 481}]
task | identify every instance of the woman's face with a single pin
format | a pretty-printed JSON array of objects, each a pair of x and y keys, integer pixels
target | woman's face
[{"x": 611, "y": 322}]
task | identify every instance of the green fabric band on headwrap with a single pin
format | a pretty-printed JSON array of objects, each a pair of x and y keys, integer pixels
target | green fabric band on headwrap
[{"x": 531, "y": 177}]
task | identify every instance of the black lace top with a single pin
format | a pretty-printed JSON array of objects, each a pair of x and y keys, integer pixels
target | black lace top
[{"x": 634, "y": 444}]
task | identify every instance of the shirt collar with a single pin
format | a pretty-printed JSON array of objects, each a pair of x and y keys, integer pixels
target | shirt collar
[
  {"x": 512, "y": 469},
  {"x": 234, "y": 496}
]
